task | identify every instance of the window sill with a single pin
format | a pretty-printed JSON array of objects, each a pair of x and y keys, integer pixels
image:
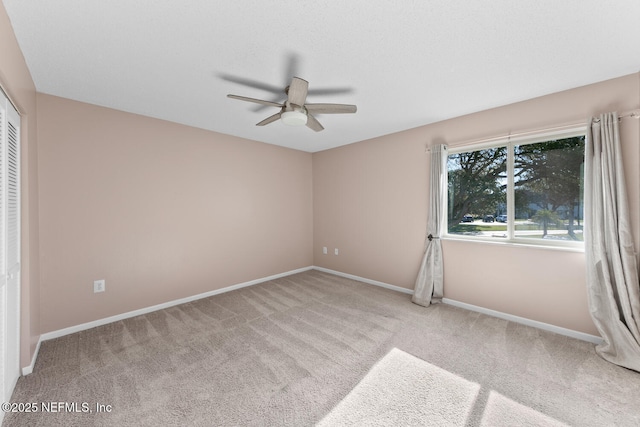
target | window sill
[{"x": 516, "y": 243}]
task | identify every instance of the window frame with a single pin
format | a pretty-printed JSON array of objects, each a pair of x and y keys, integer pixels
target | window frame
[{"x": 510, "y": 142}]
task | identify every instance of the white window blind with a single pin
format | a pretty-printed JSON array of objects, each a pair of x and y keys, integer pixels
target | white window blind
[{"x": 13, "y": 194}]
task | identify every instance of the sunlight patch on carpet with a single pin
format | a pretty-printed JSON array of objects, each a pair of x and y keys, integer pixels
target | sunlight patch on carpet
[
  {"x": 502, "y": 411},
  {"x": 404, "y": 390}
]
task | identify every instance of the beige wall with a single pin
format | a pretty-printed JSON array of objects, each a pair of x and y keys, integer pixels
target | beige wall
[
  {"x": 370, "y": 201},
  {"x": 16, "y": 81},
  {"x": 160, "y": 210}
]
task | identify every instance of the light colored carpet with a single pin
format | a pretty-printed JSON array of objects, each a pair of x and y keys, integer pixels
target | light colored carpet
[{"x": 314, "y": 348}]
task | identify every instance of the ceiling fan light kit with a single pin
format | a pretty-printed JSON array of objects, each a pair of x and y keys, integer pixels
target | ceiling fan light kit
[
  {"x": 294, "y": 111},
  {"x": 293, "y": 118}
]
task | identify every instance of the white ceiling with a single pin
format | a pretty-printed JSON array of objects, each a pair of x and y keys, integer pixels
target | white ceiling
[{"x": 404, "y": 63}]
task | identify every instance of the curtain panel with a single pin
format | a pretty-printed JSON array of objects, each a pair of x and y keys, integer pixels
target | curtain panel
[
  {"x": 429, "y": 285},
  {"x": 612, "y": 272}
]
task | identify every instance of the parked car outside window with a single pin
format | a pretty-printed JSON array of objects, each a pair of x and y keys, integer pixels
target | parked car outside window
[
  {"x": 488, "y": 218},
  {"x": 467, "y": 218},
  {"x": 501, "y": 218}
]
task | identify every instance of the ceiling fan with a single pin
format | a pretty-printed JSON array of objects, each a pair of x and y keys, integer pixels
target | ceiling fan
[{"x": 294, "y": 111}]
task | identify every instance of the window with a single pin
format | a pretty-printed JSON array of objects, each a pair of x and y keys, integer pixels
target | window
[{"x": 527, "y": 190}]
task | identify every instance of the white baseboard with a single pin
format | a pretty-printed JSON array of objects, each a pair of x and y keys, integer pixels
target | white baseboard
[
  {"x": 29, "y": 369},
  {"x": 365, "y": 280},
  {"x": 524, "y": 321}
]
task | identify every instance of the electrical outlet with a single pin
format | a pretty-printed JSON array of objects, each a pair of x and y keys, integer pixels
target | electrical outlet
[
  {"x": 324, "y": 250},
  {"x": 336, "y": 251},
  {"x": 99, "y": 286}
]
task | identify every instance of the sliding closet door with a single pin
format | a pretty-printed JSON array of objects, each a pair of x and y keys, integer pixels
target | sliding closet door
[{"x": 9, "y": 247}]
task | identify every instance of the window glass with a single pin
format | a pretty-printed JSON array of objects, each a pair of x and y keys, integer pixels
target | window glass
[
  {"x": 546, "y": 198},
  {"x": 477, "y": 192},
  {"x": 548, "y": 180}
]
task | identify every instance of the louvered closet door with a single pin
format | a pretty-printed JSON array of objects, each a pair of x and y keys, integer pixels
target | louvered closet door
[{"x": 9, "y": 246}]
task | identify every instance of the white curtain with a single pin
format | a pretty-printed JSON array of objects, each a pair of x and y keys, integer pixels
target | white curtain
[
  {"x": 429, "y": 284},
  {"x": 612, "y": 271}
]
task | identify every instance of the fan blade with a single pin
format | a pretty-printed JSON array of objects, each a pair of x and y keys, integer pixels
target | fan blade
[
  {"x": 257, "y": 101},
  {"x": 258, "y": 108},
  {"x": 269, "y": 119},
  {"x": 298, "y": 91},
  {"x": 312, "y": 123},
  {"x": 251, "y": 83},
  {"x": 329, "y": 91},
  {"x": 291, "y": 67},
  {"x": 330, "y": 108}
]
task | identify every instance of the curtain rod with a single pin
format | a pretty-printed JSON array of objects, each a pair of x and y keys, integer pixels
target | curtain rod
[
  {"x": 635, "y": 114},
  {"x": 6, "y": 94}
]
